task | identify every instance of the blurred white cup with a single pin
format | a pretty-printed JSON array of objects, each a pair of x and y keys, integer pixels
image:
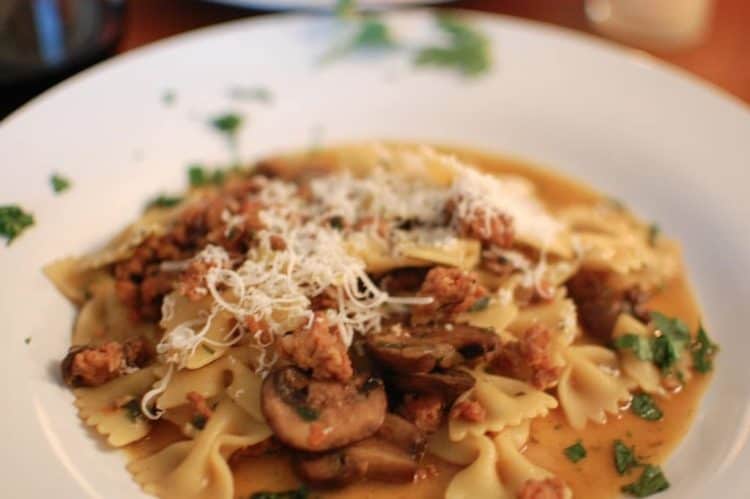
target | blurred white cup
[{"x": 656, "y": 24}]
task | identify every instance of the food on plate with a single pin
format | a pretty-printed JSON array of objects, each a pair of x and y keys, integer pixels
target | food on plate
[{"x": 396, "y": 319}]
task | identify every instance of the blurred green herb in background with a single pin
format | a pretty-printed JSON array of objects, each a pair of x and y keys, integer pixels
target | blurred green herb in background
[{"x": 467, "y": 51}]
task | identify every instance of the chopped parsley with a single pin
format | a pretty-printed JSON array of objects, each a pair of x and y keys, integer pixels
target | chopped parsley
[
  {"x": 164, "y": 201},
  {"x": 575, "y": 452},
  {"x": 208, "y": 349},
  {"x": 665, "y": 349},
  {"x": 639, "y": 345},
  {"x": 27, "y": 340},
  {"x": 625, "y": 459},
  {"x": 300, "y": 493},
  {"x": 468, "y": 50},
  {"x": 200, "y": 176},
  {"x": 59, "y": 183},
  {"x": 704, "y": 351},
  {"x": 260, "y": 94},
  {"x": 653, "y": 234},
  {"x": 13, "y": 221},
  {"x": 227, "y": 123},
  {"x": 307, "y": 413},
  {"x": 651, "y": 481},
  {"x": 644, "y": 407},
  {"x": 668, "y": 347},
  {"x": 372, "y": 34},
  {"x": 481, "y": 304},
  {"x": 169, "y": 97},
  {"x": 132, "y": 409},
  {"x": 199, "y": 421}
]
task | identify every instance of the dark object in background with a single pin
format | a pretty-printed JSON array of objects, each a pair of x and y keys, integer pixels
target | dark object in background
[{"x": 44, "y": 41}]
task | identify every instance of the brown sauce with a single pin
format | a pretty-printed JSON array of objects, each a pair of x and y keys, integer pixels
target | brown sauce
[{"x": 594, "y": 477}]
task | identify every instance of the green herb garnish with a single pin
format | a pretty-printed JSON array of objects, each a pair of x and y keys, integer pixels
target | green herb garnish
[
  {"x": 653, "y": 234},
  {"x": 27, "y": 340},
  {"x": 625, "y": 459},
  {"x": 372, "y": 34},
  {"x": 639, "y": 345},
  {"x": 704, "y": 351},
  {"x": 260, "y": 94},
  {"x": 59, "y": 183},
  {"x": 668, "y": 347},
  {"x": 132, "y": 409},
  {"x": 300, "y": 493},
  {"x": 346, "y": 9},
  {"x": 199, "y": 421},
  {"x": 169, "y": 97},
  {"x": 208, "y": 349},
  {"x": 481, "y": 304},
  {"x": 468, "y": 50},
  {"x": 200, "y": 176},
  {"x": 575, "y": 452},
  {"x": 651, "y": 481},
  {"x": 13, "y": 221},
  {"x": 307, "y": 413},
  {"x": 164, "y": 201},
  {"x": 644, "y": 407},
  {"x": 228, "y": 123}
]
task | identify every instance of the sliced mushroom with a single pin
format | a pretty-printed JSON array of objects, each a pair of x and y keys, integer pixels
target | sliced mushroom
[
  {"x": 422, "y": 349},
  {"x": 372, "y": 458},
  {"x": 316, "y": 416},
  {"x": 450, "y": 383},
  {"x": 404, "y": 434}
]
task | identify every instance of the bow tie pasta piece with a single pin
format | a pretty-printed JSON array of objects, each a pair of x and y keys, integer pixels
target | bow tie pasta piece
[
  {"x": 516, "y": 471},
  {"x": 105, "y": 318},
  {"x": 219, "y": 326},
  {"x": 455, "y": 252},
  {"x": 496, "y": 316},
  {"x": 198, "y": 469},
  {"x": 495, "y": 466},
  {"x": 507, "y": 402},
  {"x": 591, "y": 385},
  {"x": 480, "y": 478},
  {"x": 121, "y": 247},
  {"x": 114, "y": 408},
  {"x": 643, "y": 373},
  {"x": 71, "y": 279},
  {"x": 210, "y": 381},
  {"x": 611, "y": 239}
]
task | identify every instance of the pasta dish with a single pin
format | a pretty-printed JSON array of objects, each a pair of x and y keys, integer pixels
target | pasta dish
[{"x": 387, "y": 320}]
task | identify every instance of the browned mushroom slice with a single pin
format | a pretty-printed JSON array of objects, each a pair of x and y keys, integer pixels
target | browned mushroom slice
[
  {"x": 450, "y": 383},
  {"x": 373, "y": 458},
  {"x": 316, "y": 416},
  {"x": 422, "y": 349},
  {"x": 404, "y": 434}
]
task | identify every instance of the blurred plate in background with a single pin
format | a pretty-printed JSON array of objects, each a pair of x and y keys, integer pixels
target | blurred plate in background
[{"x": 323, "y": 5}]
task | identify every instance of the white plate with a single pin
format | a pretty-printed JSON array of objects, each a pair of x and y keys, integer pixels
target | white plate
[
  {"x": 669, "y": 146},
  {"x": 322, "y": 5}
]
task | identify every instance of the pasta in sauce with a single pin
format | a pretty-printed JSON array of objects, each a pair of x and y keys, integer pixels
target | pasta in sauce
[{"x": 388, "y": 321}]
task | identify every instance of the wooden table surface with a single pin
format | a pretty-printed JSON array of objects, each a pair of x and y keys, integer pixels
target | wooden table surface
[{"x": 721, "y": 59}]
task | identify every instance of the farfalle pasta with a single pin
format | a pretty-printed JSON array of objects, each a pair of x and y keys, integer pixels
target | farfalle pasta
[{"x": 368, "y": 317}]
